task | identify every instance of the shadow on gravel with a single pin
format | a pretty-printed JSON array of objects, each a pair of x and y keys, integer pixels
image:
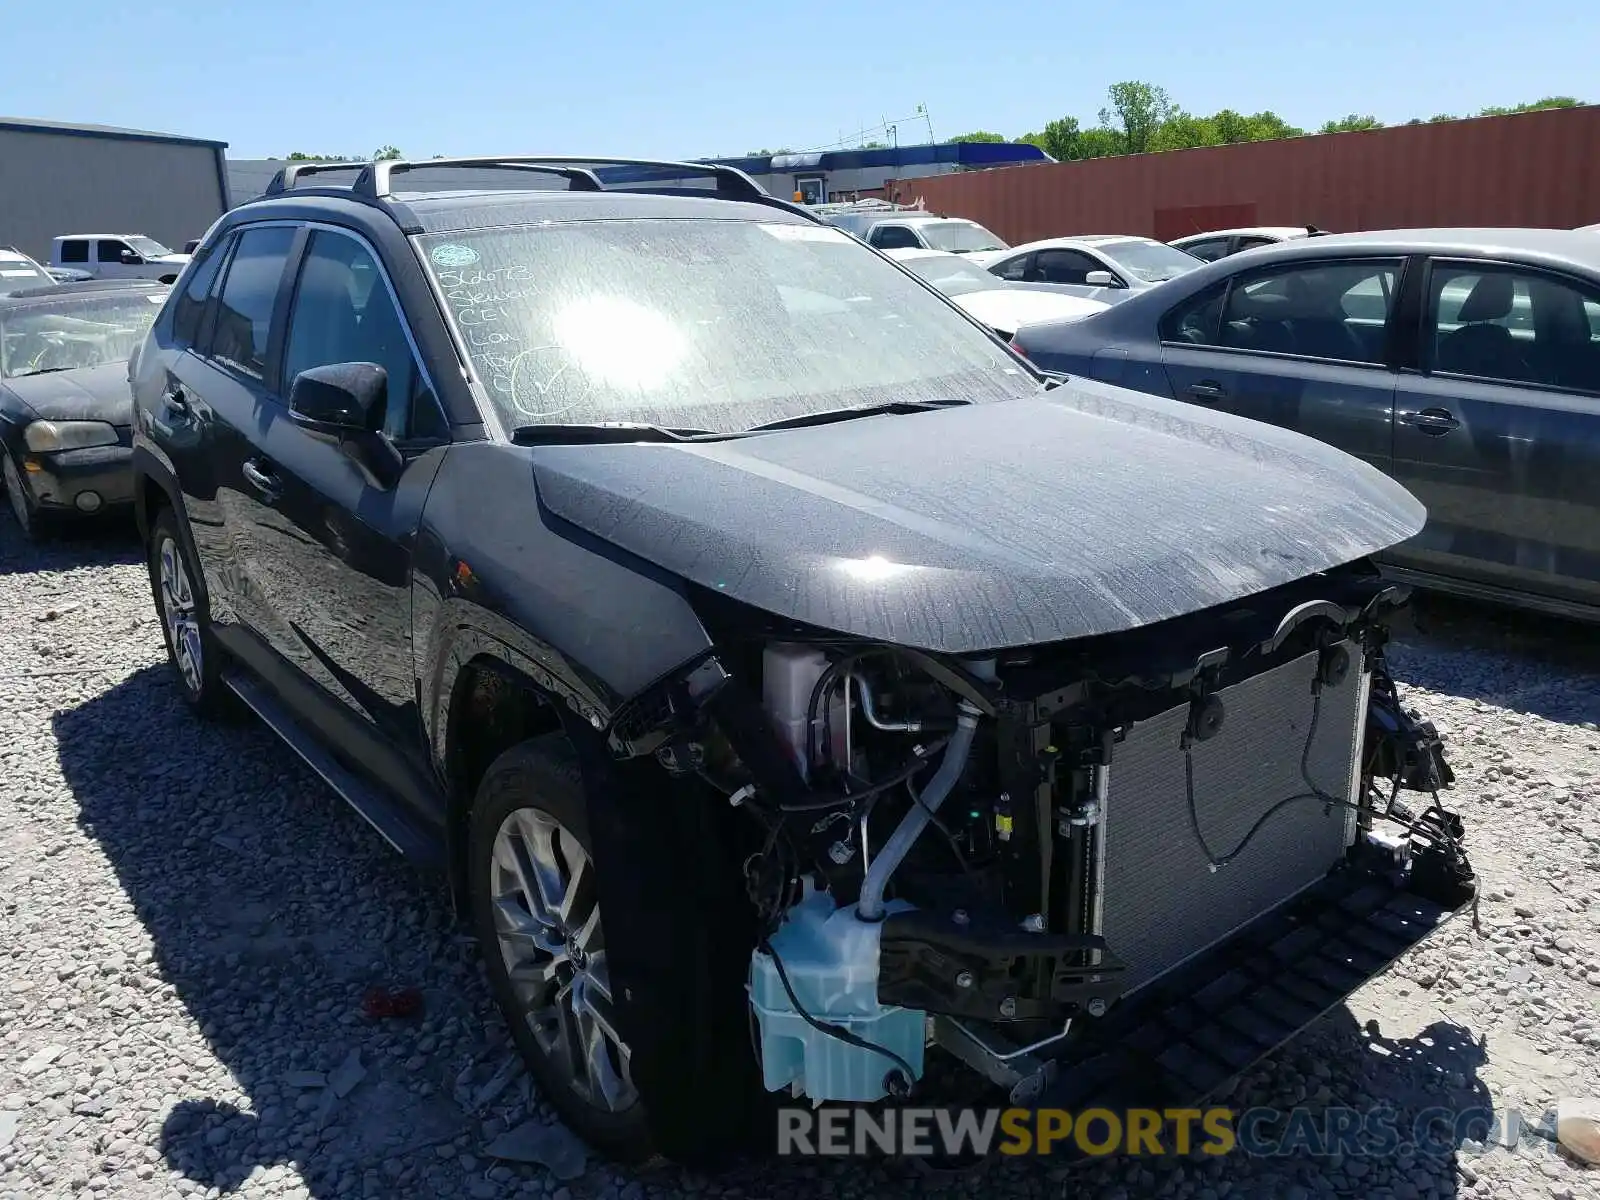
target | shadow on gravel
[
  {"x": 272, "y": 909},
  {"x": 1526, "y": 662},
  {"x": 89, "y": 541}
]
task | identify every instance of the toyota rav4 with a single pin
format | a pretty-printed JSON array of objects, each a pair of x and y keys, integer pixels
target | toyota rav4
[{"x": 793, "y": 682}]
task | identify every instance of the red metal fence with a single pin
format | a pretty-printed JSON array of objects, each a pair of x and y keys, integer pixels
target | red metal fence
[{"x": 1538, "y": 168}]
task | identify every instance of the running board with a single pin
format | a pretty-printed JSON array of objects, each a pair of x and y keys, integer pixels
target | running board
[
  {"x": 373, "y": 804},
  {"x": 1178, "y": 1040}
]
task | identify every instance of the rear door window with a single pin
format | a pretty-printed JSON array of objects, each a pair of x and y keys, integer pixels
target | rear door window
[
  {"x": 1512, "y": 325},
  {"x": 188, "y": 310},
  {"x": 244, "y": 311},
  {"x": 75, "y": 250},
  {"x": 1329, "y": 310}
]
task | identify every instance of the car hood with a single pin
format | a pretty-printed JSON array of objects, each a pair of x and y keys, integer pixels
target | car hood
[
  {"x": 85, "y": 394},
  {"x": 171, "y": 260},
  {"x": 1085, "y": 510},
  {"x": 1011, "y": 308}
]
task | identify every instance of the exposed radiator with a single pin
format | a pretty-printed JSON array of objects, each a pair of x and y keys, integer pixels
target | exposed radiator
[{"x": 1161, "y": 902}]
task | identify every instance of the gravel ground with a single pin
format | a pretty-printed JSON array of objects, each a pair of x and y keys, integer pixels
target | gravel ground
[{"x": 188, "y": 922}]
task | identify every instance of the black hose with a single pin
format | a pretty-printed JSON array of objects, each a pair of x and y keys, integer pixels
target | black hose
[
  {"x": 1315, "y": 793},
  {"x": 834, "y": 799}
]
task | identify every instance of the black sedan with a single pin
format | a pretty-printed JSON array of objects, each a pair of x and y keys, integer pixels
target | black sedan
[
  {"x": 65, "y": 407},
  {"x": 1463, "y": 362}
]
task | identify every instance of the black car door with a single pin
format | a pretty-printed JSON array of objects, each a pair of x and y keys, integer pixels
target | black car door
[
  {"x": 216, "y": 389},
  {"x": 334, "y": 537},
  {"x": 1303, "y": 345},
  {"x": 1497, "y": 430}
]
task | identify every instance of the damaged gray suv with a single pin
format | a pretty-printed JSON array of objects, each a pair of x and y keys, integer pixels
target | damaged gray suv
[{"x": 793, "y": 683}]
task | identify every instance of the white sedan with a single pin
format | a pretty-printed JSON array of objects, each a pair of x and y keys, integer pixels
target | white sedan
[{"x": 1002, "y": 306}]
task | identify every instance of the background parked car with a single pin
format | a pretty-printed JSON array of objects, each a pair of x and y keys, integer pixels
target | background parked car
[
  {"x": 118, "y": 256},
  {"x": 18, "y": 272},
  {"x": 914, "y": 231},
  {"x": 1222, "y": 242},
  {"x": 1464, "y": 362},
  {"x": 65, "y": 408},
  {"x": 1003, "y": 307},
  {"x": 1105, "y": 267}
]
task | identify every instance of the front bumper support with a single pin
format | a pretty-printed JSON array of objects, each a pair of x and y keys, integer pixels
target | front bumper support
[{"x": 1176, "y": 1041}]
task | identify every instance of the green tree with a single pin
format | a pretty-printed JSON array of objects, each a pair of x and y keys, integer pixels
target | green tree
[
  {"x": 301, "y": 156},
  {"x": 1267, "y": 125},
  {"x": 1136, "y": 110},
  {"x": 387, "y": 152},
  {"x": 979, "y": 135},
  {"x": 1534, "y": 106},
  {"x": 1351, "y": 124},
  {"x": 1059, "y": 139},
  {"x": 1100, "y": 142},
  {"x": 1184, "y": 131}
]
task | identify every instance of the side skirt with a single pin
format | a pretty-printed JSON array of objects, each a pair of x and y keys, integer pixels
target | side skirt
[{"x": 385, "y": 814}]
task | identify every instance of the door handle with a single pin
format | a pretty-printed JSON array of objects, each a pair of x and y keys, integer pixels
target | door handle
[
  {"x": 260, "y": 476},
  {"x": 1434, "y": 422},
  {"x": 1206, "y": 389}
]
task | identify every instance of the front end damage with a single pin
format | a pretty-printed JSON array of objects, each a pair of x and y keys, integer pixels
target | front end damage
[{"x": 1115, "y": 870}]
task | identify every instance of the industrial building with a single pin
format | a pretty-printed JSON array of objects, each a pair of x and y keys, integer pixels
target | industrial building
[
  {"x": 57, "y": 178},
  {"x": 817, "y": 176},
  {"x": 1537, "y": 168}
]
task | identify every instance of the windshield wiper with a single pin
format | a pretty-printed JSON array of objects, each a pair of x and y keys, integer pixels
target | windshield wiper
[
  {"x": 828, "y": 416},
  {"x": 607, "y": 433}
]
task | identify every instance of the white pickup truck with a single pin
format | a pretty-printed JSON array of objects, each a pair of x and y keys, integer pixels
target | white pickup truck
[{"x": 117, "y": 256}]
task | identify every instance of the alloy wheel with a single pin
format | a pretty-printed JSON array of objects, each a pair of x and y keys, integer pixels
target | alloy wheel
[
  {"x": 547, "y": 923},
  {"x": 178, "y": 610}
]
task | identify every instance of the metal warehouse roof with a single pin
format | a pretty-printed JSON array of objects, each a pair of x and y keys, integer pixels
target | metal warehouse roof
[{"x": 67, "y": 129}]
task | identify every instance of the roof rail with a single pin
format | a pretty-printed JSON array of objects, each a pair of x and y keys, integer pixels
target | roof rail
[
  {"x": 375, "y": 180},
  {"x": 287, "y": 175}
]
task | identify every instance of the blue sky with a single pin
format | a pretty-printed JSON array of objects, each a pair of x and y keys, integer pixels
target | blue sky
[{"x": 701, "y": 77}]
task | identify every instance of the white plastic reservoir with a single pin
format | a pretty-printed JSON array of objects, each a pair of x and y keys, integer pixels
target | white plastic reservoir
[{"x": 831, "y": 958}]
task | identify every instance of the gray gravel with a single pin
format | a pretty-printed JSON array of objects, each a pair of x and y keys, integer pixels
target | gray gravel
[{"x": 189, "y": 920}]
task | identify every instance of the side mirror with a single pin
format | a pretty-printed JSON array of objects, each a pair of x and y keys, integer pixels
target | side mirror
[
  {"x": 339, "y": 399},
  {"x": 1100, "y": 279},
  {"x": 344, "y": 403},
  {"x": 130, "y": 259}
]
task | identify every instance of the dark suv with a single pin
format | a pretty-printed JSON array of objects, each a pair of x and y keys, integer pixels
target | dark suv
[{"x": 648, "y": 547}]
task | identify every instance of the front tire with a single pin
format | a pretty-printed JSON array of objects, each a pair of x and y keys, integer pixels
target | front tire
[
  {"x": 535, "y": 911},
  {"x": 185, "y": 619},
  {"x": 26, "y": 513}
]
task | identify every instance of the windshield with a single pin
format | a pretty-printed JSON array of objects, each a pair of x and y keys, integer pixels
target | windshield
[
  {"x": 149, "y": 247},
  {"x": 1150, "y": 261},
  {"x": 83, "y": 331},
  {"x": 951, "y": 275},
  {"x": 706, "y": 324},
  {"x": 18, "y": 271},
  {"x": 958, "y": 237}
]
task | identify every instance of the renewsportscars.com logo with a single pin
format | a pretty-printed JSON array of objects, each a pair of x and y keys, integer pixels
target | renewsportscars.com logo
[{"x": 1261, "y": 1132}]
